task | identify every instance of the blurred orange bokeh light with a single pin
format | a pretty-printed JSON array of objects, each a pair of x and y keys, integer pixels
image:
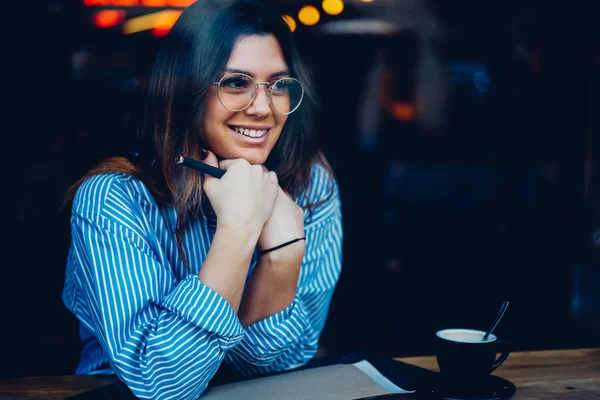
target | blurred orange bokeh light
[
  {"x": 309, "y": 15},
  {"x": 291, "y": 22},
  {"x": 333, "y": 7},
  {"x": 164, "y": 23},
  {"x": 138, "y": 3},
  {"x": 403, "y": 111},
  {"x": 108, "y": 18}
]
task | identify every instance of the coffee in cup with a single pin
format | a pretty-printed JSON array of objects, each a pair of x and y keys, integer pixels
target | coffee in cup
[{"x": 465, "y": 359}]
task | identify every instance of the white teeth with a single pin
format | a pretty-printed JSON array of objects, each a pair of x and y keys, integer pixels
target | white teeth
[{"x": 250, "y": 132}]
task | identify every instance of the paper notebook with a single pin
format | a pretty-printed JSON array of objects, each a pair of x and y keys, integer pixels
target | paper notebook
[{"x": 333, "y": 382}]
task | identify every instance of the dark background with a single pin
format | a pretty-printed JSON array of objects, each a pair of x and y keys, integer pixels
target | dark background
[{"x": 493, "y": 196}]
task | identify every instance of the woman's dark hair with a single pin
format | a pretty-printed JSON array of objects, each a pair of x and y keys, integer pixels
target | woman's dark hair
[{"x": 194, "y": 54}]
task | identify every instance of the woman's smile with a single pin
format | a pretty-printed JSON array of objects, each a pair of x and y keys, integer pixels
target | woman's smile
[{"x": 256, "y": 133}]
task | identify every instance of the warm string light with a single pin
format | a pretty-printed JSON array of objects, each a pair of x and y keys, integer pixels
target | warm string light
[
  {"x": 309, "y": 15},
  {"x": 161, "y": 22},
  {"x": 333, "y": 7},
  {"x": 291, "y": 22}
]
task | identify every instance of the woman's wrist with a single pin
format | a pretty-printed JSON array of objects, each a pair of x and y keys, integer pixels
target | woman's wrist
[
  {"x": 242, "y": 235},
  {"x": 290, "y": 252},
  {"x": 264, "y": 251}
]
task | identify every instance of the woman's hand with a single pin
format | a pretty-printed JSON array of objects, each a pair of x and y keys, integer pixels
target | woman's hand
[
  {"x": 243, "y": 198},
  {"x": 285, "y": 223}
]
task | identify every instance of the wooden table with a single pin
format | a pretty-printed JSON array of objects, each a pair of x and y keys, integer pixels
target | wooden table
[{"x": 552, "y": 374}]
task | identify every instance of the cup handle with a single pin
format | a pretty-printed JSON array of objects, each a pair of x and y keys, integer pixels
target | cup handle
[{"x": 505, "y": 352}]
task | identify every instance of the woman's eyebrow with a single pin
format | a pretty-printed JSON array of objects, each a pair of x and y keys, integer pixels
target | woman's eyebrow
[
  {"x": 237, "y": 71},
  {"x": 278, "y": 74},
  {"x": 285, "y": 72}
]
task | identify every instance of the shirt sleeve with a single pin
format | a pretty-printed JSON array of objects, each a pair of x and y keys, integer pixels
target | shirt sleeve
[
  {"x": 290, "y": 338},
  {"x": 165, "y": 339}
]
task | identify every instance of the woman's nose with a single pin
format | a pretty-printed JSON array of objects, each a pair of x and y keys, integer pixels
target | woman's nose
[{"x": 261, "y": 105}]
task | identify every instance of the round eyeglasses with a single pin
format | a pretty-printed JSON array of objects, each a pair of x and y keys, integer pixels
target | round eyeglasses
[{"x": 237, "y": 91}]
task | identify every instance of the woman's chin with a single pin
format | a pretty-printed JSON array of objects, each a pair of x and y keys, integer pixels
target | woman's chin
[
  {"x": 260, "y": 161},
  {"x": 254, "y": 159},
  {"x": 253, "y": 156}
]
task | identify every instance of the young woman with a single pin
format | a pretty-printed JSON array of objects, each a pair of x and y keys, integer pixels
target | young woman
[{"x": 171, "y": 272}]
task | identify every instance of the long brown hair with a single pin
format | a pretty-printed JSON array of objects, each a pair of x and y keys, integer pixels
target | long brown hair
[{"x": 195, "y": 52}]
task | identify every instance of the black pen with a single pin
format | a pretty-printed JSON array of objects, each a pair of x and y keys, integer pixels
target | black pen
[{"x": 200, "y": 166}]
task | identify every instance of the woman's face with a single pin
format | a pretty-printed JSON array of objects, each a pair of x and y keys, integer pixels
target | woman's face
[{"x": 261, "y": 58}]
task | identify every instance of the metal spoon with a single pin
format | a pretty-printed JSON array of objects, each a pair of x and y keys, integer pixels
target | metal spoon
[{"x": 501, "y": 312}]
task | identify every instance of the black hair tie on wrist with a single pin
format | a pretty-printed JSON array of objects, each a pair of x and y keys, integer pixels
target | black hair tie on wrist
[{"x": 280, "y": 246}]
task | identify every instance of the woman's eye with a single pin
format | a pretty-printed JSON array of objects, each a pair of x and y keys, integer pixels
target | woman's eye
[
  {"x": 286, "y": 87},
  {"x": 236, "y": 83},
  {"x": 281, "y": 86}
]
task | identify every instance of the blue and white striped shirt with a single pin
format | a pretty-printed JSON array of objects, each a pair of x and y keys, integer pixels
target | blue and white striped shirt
[{"x": 148, "y": 319}]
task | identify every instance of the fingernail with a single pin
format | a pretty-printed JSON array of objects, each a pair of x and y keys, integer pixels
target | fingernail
[{"x": 203, "y": 153}]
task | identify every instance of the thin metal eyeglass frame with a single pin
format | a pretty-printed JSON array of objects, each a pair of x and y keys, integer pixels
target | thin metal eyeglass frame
[{"x": 269, "y": 90}]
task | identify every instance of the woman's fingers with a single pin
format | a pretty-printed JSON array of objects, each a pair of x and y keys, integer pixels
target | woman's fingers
[
  {"x": 245, "y": 195},
  {"x": 271, "y": 176}
]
